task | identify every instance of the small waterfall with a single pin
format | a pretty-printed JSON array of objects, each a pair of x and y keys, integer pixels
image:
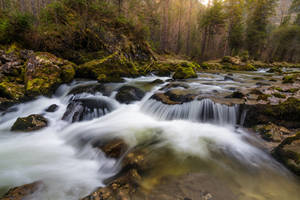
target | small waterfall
[
  {"x": 83, "y": 109},
  {"x": 205, "y": 111}
]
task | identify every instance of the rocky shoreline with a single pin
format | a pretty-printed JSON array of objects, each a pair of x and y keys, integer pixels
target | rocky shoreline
[{"x": 273, "y": 111}]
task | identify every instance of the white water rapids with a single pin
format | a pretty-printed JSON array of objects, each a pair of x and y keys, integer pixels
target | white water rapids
[{"x": 70, "y": 170}]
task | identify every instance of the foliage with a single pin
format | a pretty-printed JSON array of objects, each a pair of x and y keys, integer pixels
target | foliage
[
  {"x": 256, "y": 32},
  {"x": 13, "y": 27}
]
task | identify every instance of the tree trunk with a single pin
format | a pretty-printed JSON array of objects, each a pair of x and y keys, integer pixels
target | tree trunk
[
  {"x": 203, "y": 48},
  {"x": 179, "y": 28},
  {"x": 164, "y": 33},
  {"x": 189, "y": 28}
]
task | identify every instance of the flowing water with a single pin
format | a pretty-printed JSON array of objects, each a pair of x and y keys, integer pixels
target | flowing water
[{"x": 199, "y": 137}]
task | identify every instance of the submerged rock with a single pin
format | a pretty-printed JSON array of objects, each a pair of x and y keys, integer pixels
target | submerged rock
[
  {"x": 86, "y": 109},
  {"x": 114, "y": 148},
  {"x": 174, "y": 96},
  {"x": 52, "y": 108},
  {"x": 126, "y": 182},
  {"x": 128, "y": 94},
  {"x": 288, "y": 152},
  {"x": 90, "y": 89},
  {"x": 30, "y": 123},
  {"x": 22, "y": 192}
]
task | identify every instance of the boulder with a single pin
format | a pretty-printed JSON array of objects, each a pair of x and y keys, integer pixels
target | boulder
[
  {"x": 126, "y": 182},
  {"x": 12, "y": 90},
  {"x": 114, "y": 148},
  {"x": 232, "y": 60},
  {"x": 21, "y": 192},
  {"x": 185, "y": 69},
  {"x": 174, "y": 96},
  {"x": 86, "y": 109},
  {"x": 184, "y": 73},
  {"x": 284, "y": 114},
  {"x": 128, "y": 94},
  {"x": 236, "y": 95},
  {"x": 44, "y": 72},
  {"x": 109, "y": 69},
  {"x": 90, "y": 89},
  {"x": 52, "y": 108},
  {"x": 30, "y": 123},
  {"x": 291, "y": 78},
  {"x": 288, "y": 153},
  {"x": 273, "y": 133}
]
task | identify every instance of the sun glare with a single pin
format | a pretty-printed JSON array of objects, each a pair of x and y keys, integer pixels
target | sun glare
[{"x": 204, "y": 2}]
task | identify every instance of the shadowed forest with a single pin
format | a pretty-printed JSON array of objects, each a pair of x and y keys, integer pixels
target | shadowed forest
[{"x": 203, "y": 30}]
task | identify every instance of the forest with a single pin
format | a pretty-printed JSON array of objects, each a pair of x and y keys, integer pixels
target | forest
[
  {"x": 202, "y": 30},
  {"x": 149, "y": 99}
]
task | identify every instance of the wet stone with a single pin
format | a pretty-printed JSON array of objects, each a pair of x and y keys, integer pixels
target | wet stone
[
  {"x": 52, "y": 108},
  {"x": 30, "y": 123},
  {"x": 86, "y": 109},
  {"x": 129, "y": 94}
]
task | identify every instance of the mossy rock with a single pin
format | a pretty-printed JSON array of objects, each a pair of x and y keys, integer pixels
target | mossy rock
[
  {"x": 272, "y": 132},
  {"x": 290, "y": 78},
  {"x": 128, "y": 94},
  {"x": 12, "y": 90},
  {"x": 210, "y": 65},
  {"x": 288, "y": 152},
  {"x": 30, "y": 123},
  {"x": 275, "y": 70},
  {"x": 263, "y": 97},
  {"x": 68, "y": 72},
  {"x": 44, "y": 72},
  {"x": 185, "y": 73},
  {"x": 279, "y": 95},
  {"x": 232, "y": 60},
  {"x": 103, "y": 78},
  {"x": 166, "y": 68},
  {"x": 284, "y": 114},
  {"x": 108, "y": 69}
]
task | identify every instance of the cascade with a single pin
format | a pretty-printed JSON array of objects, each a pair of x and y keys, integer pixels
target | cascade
[{"x": 204, "y": 110}]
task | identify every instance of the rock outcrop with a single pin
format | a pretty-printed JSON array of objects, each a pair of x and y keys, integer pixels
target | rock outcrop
[
  {"x": 288, "y": 152},
  {"x": 25, "y": 74},
  {"x": 86, "y": 109},
  {"x": 128, "y": 94},
  {"x": 21, "y": 192},
  {"x": 30, "y": 123}
]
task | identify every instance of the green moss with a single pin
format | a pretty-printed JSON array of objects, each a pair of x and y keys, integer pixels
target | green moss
[
  {"x": 292, "y": 90},
  {"x": 279, "y": 89},
  {"x": 290, "y": 78},
  {"x": 249, "y": 67},
  {"x": 263, "y": 97},
  {"x": 279, "y": 95},
  {"x": 68, "y": 73},
  {"x": 12, "y": 90},
  {"x": 288, "y": 152},
  {"x": 184, "y": 73},
  {"x": 115, "y": 65},
  {"x": 275, "y": 70},
  {"x": 41, "y": 86},
  {"x": 211, "y": 65},
  {"x": 102, "y": 78}
]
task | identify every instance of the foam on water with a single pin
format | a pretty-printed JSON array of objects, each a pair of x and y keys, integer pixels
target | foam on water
[
  {"x": 204, "y": 111},
  {"x": 70, "y": 169}
]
